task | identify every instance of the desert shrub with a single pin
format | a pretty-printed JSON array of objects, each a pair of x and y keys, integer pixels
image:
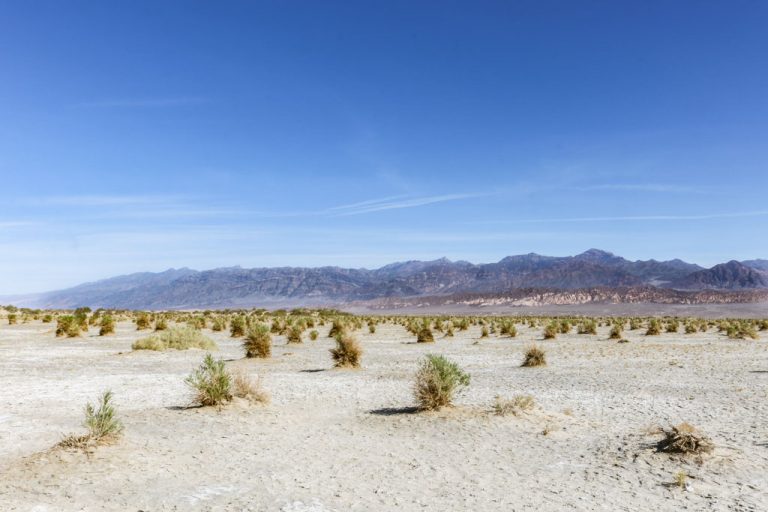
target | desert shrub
[
  {"x": 534, "y": 356},
  {"x": 438, "y": 379},
  {"x": 313, "y": 334},
  {"x": 741, "y": 331},
  {"x": 449, "y": 331},
  {"x": 684, "y": 439},
  {"x": 245, "y": 387},
  {"x": 690, "y": 328},
  {"x": 177, "y": 338},
  {"x": 68, "y": 326},
  {"x": 565, "y": 327},
  {"x": 348, "y": 352},
  {"x": 634, "y": 324},
  {"x": 102, "y": 424},
  {"x": 336, "y": 328},
  {"x": 509, "y": 329},
  {"x": 161, "y": 324},
  {"x": 372, "y": 328},
  {"x": 615, "y": 333},
  {"x": 764, "y": 325},
  {"x": 258, "y": 342},
  {"x": 211, "y": 383},
  {"x": 517, "y": 405},
  {"x": 588, "y": 327},
  {"x": 237, "y": 327},
  {"x": 654, "y": 327},
  {"x": 484, "y": 332},
  {"x": 47, "y": 319},
  {"x": 219, "y": 324},
  {"x": 551, "y": 330},
  {"x": 107, "y": 325},
  {"x": 425, "y": 335},
  {"x": 13, "y": 319},
  {"x": 293, "y": 334},
  {"x": 673, "y": 326},
  {"x": 143, "y": 321}
]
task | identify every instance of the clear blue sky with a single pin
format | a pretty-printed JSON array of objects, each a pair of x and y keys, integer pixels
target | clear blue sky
[{"x": 145, "y": 135}]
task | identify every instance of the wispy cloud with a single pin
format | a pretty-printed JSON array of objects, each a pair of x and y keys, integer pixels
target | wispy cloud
[
  {"x": 180, "y": 101},
  {"x": 624, "y": 218},
  {"x": 642, "y": 187},
  {"x": 98, "y": 200},
  {"x": 398, "y": 202}
]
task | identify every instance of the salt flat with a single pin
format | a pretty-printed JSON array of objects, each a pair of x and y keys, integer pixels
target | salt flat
[{"x": 346, "y": 439}]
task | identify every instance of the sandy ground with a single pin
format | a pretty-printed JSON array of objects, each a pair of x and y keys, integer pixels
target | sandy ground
[{"x": 346, "y": 440}]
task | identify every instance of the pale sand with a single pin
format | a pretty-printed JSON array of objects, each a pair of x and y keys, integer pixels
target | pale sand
[{"x": 319, "y": 447}]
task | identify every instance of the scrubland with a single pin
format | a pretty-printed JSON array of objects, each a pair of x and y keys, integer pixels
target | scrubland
[{"x": 380, "y": 412}]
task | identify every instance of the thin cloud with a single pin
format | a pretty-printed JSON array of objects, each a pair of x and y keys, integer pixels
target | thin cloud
[
  {"x": 730, "y": 215},
  {"x": 642, "y": 187},
  {"x": 99, "y": 200},
  {"x": 143, "y": 102},
  {"x": 393, "y": 204}
]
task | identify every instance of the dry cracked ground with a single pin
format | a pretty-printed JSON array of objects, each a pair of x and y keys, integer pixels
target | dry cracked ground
[{"x": 347, "y": 439}]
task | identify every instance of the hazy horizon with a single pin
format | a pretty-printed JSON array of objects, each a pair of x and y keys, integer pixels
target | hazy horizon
[{"x": 147, "y": 136}]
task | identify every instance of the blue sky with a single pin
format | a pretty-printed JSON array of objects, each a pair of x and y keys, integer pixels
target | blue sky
[{"x": 139, "y": 136}]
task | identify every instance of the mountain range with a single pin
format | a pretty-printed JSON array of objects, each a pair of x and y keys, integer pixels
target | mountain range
[{"x": 296, "y": 286}]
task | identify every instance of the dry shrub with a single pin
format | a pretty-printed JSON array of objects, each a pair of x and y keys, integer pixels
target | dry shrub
[
  {"x": 425, "y": 335},
  {"x": 551, "y": 330},
  {"x": 654, "y": 327},
  {"x": 685, "y": 439},
  {"x": 516, "y": 406},
  {"x": 534, "y": 356},
  {"x": 438, "y": 379},
  {"x": 102, "y": 425},
  {"x": 211, "y": 383},
  {"x": 68, "y": 326},
  {"x": 615, "y": 333},
  {"x": 348, "y": 351},
  {"x": 293, "y": 334},
  {"x": 258, "y": 342},
  {"x": 177, "y": 338},
  {"x": 250, "y": 389},
  {"x": 107, "y": 326},
  {"x": 313, "y": 335}
]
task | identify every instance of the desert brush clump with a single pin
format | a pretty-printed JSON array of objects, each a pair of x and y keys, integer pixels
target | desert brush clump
[
  {"x": 534, "y": 356},
  {"x": 293, "y": 334},
  {"x": 248, "y": 388},
  {"x": 615, "y": 333},
  {"x": 143, "y": 321},
  {"x": 741, "y": 330},
  {"x": 551, "y": 330},
  {"x": 438, "y": 379},
  {"x": 211, "y": 383},
  {"x": 508, "y": 329},
  {"x": 425, "y": 334},
  {"x": 68, "y": 326},
  {"x": 313, "y": 334},
  {"x": 237, "y": 327},
  {"x": 176, "y": 338},
  {"x": 517, "y": 405},
  {"x": 107, "y": 325},
  {"x": 101, "y": 422},
  {"x": 654, "y": 327},
  {"x": 348, "y": 351},
  {"x": 684, "y": 439},
  {"x": 258, "y": 342},
  {"x": 588, "y": 327}
]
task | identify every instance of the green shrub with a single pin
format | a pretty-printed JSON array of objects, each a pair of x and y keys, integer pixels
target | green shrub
[
  {"x": 47, "y": 319},
  {"x": 438, "y": 379},
  {"x": 102, "y": 424},
  {"x": 313, "y": 334},
  {"x": 68, "y": 326},
  {"x": 293, "y": 334},
  {"x": 107, "y": 325},
  {"x": 177, "y": 338},
  {"x": 13, "y": 319},
  {"x": 588, "y": 327},
  {"x": 210, "y": 382},
  {"x": 551, "y": 330},
  {"x": 237, "y": 327},
  {"x": 348, "y": 352},
  {"x": 143, "y": 321},
  {"x": 654, "y": 327},
  {"x": 258, "y": 342}
]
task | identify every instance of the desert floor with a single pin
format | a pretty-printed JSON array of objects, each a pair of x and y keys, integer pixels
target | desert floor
[{"x": 347, "y": 440}]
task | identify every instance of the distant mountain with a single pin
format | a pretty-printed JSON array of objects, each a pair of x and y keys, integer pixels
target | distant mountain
[
  {"x": 290, "y": 286},
  {"x": 761, "y": 265},
  {"x": 726, "y": 276}
]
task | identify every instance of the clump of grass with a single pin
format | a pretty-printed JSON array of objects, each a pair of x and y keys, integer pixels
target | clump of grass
[
  {"x": 250, "y": 389},
  {"x": 313, "y": 334},
  {"x": 107, "y": 326},
  {"x": 211, "y": 383},
  {"x": 161, "y": 324},
  {"x": 293, "y": 334},
  {"x": 372, "y": 328},
  {"x": 509, "y": 329},
  {"x": 684, "y": 439},
  {"x": 425, "y": 335},
  {"x": 177, "y": 338},
  {"x": 68, "y": 326},
  {"x": 615, "y": 333},
  {"x": 336, "y": 328},
  {"x": 588, "y": 327},
  {"x": 681, "y": 479},
  {"x": 348, "y": 351},
  {"x": 101, "y": 422},
  {"x": 13, "y": 319},
  {"x": 517, "y": 405},
  {"x": 438, "y": 379},
  {"x": 534, "y": 356},
  {"x": 258, "y": 342},
  {"x": 237, "y": 327},
  {"x": 551, "y": 330},
  {"x": 654, "y": 327},
  {"x": 484, "y": 332},
  {"x": 143, "y": 321},
  {"x": 741, "y": 331}
]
